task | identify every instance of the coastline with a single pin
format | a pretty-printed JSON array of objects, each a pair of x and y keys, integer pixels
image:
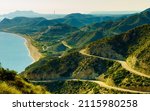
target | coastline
[
  {"x": 29, "y": 53},
  {"x": 33, "y": 51}
]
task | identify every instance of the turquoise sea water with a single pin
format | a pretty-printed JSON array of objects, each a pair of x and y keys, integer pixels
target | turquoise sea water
[{"x": 14, "y": 54}]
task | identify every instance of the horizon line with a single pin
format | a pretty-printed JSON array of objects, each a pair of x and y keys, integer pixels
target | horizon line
[{"x": 103, "y": 12}]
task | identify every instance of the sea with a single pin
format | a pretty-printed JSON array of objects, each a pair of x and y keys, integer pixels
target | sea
[{"x": 14, "y": 55}]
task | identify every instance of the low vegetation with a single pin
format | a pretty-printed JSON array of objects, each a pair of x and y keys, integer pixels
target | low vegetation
[
  {"x": 120, "y": 77},
  {"x": 134, "y": 45},
  {"x": 72, "y": 65},
  {"x": 77, "y": 87},
  {"x": 11, "y": 83}
]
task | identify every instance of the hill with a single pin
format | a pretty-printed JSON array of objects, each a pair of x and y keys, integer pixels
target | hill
[
  {"x": 21, "y": 25},
  {"x": 44, "y": 33},
  {"x": 91, "y": 28},
  {"x": 72, "y": 65},
  {"x": 131, "y": 44},
  {"x": 75, "y": 20},
  {"x": 11, "y": 83},
  {"x": 107, "y": 28},
  {"x": 18, "y": 21},
  {"x": 57, "y": 32},
  {"x": 79, "y": 20},
  {"x": 30, "y": 14},
  {"x": 133, "y": 21}
]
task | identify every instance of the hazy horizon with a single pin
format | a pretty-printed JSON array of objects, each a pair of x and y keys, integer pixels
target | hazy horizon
[
  {"x": 94, "y": 12},
  {"x": 72, "y": 6}
]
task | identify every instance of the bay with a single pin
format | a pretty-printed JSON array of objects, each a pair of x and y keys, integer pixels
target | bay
[{"x": 14, "y": 54}]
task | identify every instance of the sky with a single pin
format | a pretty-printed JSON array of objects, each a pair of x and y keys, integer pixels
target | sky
[{"x": 72, "y": 6}]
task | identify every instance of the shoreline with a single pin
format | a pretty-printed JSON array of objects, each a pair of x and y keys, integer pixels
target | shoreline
[
  {"x": 33, "y": 51},
  {"x": 29, "y": 52}
]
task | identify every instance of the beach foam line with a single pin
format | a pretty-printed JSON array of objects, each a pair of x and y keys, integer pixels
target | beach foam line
[{"x": 29, "y": 52}]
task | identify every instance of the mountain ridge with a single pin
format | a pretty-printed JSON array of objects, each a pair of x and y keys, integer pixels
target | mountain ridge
[
  {"x": 30, "y": 14},
  {"x": 109, "y": 28}
]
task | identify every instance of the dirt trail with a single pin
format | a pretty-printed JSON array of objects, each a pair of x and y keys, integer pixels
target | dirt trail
[
  {"x": 123, "y": 63},
  {"x": 66, "y": 45},
  {"x": 100, "y": 83}
]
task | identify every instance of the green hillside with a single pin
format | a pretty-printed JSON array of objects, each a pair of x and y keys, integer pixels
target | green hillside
[
  {"x": 78, "y": 87},
  {"x": 91, "y": 28},
  {"x": 103, "y": 29},
  {"x": 73, "y": 65},
  {"x": 11, "y": 83},
  {"x": 55, "y": 33},
  {"x": 80, "y": 20},
  {"x": 118, "y": 76},
  {"x": 134, "y": 44},
  {"x": 21, "y": 25},
  {"x": 50, "y": 33},
  {"x": 133, "y": 21}
]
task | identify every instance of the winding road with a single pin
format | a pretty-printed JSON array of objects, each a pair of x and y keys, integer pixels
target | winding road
[
  {"x": 100, "y": 83},
  {"x": 123, "y": 63},
  {"x": 66, "y": 45}
]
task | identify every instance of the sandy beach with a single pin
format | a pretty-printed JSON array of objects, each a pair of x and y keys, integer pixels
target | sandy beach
[{"x": 33, "y": 51}]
